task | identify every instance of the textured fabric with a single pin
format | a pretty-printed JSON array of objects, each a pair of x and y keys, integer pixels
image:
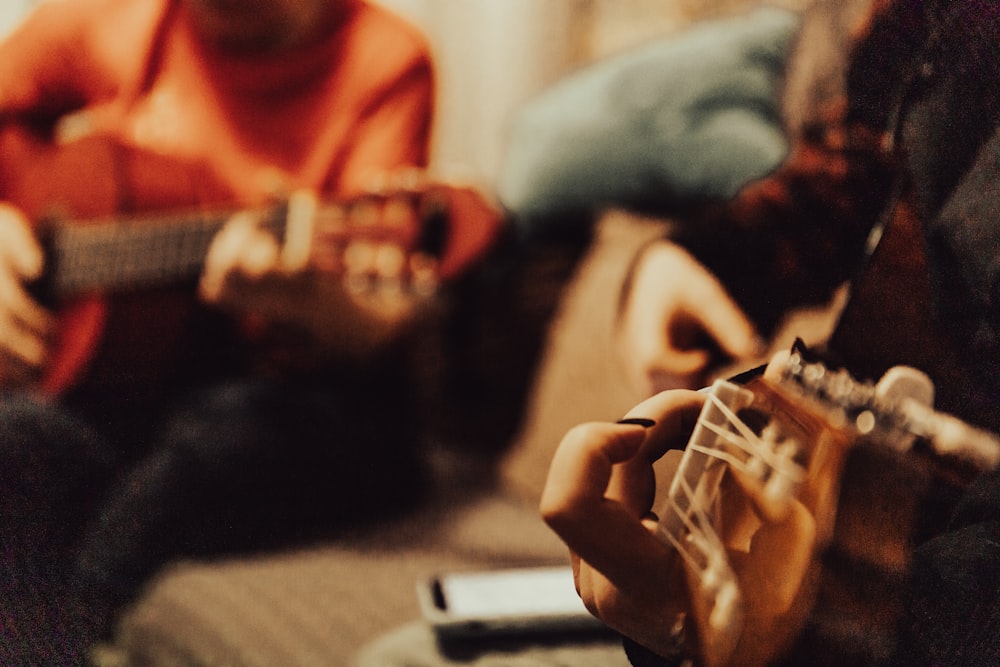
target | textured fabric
[
  {"x": 318, "y": 606},
  {"x": 415, "y": 645}
]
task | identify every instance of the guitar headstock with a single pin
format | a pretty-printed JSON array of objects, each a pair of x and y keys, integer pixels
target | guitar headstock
[
  {"x": 897, "y": 411},
  {"x": 406, "y": 237}
]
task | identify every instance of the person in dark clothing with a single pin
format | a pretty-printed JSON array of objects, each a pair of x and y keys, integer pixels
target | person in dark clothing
[{"x": 907, "y": 153}]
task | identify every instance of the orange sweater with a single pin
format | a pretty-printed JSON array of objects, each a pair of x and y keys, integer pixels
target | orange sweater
[
  {"x": 326, "y": 117},
  {"x": 196, "y": 123}
]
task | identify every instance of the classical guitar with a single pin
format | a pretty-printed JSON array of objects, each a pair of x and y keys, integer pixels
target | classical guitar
[
  {"x": 861, "y": 461},
  {"x": 116, "y": 222},
  {"x": 873, "y": 465}
]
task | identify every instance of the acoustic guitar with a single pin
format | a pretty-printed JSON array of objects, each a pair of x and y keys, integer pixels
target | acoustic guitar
[
  {"x": 847, "y": 448},
  {"x": 859, "y": 462},
  {"x": 127, "y": 231}
]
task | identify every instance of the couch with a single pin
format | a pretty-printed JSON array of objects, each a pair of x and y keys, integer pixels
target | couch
[{"x": 318, "y": 605}]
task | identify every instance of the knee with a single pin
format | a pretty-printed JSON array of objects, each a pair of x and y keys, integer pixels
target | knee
[
  {"x": 219, "y": 425},
  {"x": 42, "y": 433}
]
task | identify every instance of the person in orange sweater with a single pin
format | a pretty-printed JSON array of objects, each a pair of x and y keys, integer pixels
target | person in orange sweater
[{"x": 179, "y": 103}]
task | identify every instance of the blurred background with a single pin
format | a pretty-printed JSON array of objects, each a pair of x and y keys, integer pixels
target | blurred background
[
  {"x": 493, "y": 54},
  {"x": 491, "y": 57}
]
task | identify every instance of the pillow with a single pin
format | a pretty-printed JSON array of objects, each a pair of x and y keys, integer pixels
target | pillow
[{"x": 681, "y": 120}]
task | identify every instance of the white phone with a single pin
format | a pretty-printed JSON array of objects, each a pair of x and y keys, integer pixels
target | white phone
[{"x": 507, "y": 601}]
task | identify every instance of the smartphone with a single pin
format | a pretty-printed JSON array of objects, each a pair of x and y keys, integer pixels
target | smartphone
[{"x": 508, "y": 601}]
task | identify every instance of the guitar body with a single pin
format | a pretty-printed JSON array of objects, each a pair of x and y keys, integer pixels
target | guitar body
[
  {"x": 81, "y": 325},
  {"x": 889, "y": 503},
  {"x": 122, "y": 336},
  {"x": 126, "y": 232}
]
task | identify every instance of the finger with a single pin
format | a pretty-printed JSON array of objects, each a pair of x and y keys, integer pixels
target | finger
[
  {"x": 633, "y": 482},
  {"x": 674, "y": 413},
  {"x": 659, "y": 357},
  {"x": 224, "y": 251},
  {"x": 246, "y": 249},
  {"x": 599, "y": 531},
  {"x": 723, "y": 320},
  {"x": 776, "y": 365},
  {"x": 680, "y": 368},
  {"x": 582, "y": 465},
  {"x": 23, "y": 310},
  {"x": 583, "y": 575},
  {"x": 678, "y": 320},
  {"x": 224, "y": 254},
  {"x": 23, "y": 352},
  {"x": 259, "y": 256},
  {"x": 300, "y": 224},
  {"x": 790, "y": 542},
  {"x": 24, "y": 347},
  {"x": 606, "y": 533},
  {"x": 646, "y": 613},
  {"x": 19, "y": 248},
  {"x": 574, "y": 561}
]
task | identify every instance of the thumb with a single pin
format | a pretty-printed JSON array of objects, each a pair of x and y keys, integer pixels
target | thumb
[{"x": 20, "y": 248}]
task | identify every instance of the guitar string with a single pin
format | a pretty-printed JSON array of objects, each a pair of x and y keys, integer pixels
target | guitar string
[
  {"x": 715, "y": 574},
  {"x": 750, "y": 443},
  {"x": 695, "y": 505},
  {"x": 177, "y": 243},
  {"x": 705, "y": 553},
  {"x": 144, "y": 248},
  {"x": 701, "y": 526}
]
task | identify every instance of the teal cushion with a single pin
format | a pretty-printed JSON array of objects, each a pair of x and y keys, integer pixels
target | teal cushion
[{"x": 691, "y": 117}]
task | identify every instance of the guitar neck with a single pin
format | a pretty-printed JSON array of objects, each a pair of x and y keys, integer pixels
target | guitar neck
[
  {"x": 117, "y": 255},
  {"x": 114, "y": 255}
]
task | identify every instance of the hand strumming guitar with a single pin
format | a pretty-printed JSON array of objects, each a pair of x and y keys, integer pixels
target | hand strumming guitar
[
  {"x": 250, "y": 272},
  {"x": 677, "y": 322}
]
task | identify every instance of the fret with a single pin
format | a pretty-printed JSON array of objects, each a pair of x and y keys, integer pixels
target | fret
[
  {"x": 130, "y": 254},
  {"x": 147, "y": 251}
]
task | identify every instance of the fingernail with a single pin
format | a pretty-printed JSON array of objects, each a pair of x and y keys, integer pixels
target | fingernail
[{"x": 638, "y": 421}]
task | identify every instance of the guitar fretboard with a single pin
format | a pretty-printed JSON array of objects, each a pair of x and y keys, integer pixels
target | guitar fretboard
[{"x": 117, "y": 256}]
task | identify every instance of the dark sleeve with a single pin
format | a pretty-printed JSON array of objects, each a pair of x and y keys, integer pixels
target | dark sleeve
[
  {"x": 953, "y": 601},
  {"x": 791, "y": 238}
]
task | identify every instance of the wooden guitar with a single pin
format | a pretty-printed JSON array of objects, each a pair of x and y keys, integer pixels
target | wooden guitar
[
  {"x": 862, "y": 445},
  {"x": 863, "y": 463},
  {"x": 122, "y": 227}
]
